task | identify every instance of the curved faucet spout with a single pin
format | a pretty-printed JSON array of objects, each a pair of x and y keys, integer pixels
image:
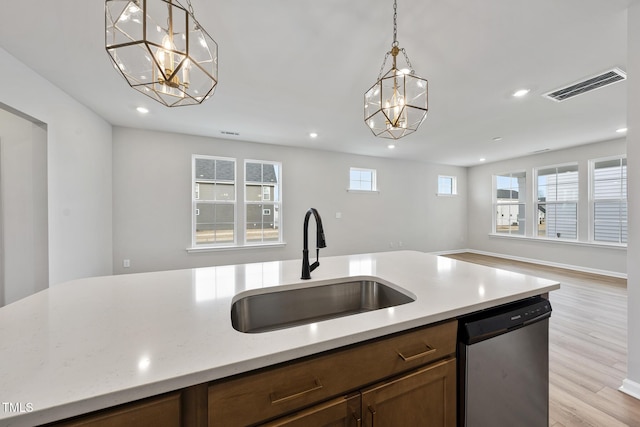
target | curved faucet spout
[{"x": 320, "y": 243}]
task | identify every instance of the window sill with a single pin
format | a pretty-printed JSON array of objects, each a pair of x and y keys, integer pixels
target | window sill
[
  {"x": 446, "y": 195},
  {"x": 363, "y": 191},
  {"x": 199, "y": 249},
  {"x": 561, "y": 241}
]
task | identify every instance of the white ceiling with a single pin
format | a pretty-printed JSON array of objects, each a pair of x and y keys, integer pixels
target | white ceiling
[{"x": 290, "y": 67}]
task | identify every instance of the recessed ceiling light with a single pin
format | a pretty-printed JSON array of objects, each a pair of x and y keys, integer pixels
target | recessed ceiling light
[
  {"x": 142, "y": 110},
  {"x": 313, "y": 135},
  {"x": 520, "y": 93},
  {"x": 391, "y": 146},
  {"x": 482, "y": 159},
  {"x": 621, "y": 130},
  {"x": 497, "y": 138}
]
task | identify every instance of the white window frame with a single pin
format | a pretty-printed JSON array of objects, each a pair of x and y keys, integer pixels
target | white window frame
[
  {"x": 374, "y": 180},
  {"x": 537, "y": 203},
  {"x": 195, "y": 199},
  {"x": 454, "y": 185},
  {"x": 592, "y": 199},
  {"x": 496, "y": 204},
  {"x": 277, "y": 204},
  {"x": 240, "y": 204}
]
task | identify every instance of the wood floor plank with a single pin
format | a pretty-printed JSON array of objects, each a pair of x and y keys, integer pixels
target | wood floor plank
[{"x": 587, "y": 345}]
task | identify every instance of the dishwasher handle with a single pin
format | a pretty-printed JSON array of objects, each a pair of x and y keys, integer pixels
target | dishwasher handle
[{"x": 537, "y": 318}]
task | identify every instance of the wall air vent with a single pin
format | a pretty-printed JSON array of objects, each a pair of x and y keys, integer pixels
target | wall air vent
[
  {"x": 544, "y": 150},
  {"x": 586, "y": 85}
]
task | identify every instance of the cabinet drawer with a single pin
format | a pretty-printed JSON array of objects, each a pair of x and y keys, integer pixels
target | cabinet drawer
[
  {"x": 161, "y": 411},
  {"x": 343, "y": 411},
  {"x": 285, "y": 388}
]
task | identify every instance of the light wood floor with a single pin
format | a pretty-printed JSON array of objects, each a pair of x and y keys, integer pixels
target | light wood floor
[{"x": 587, "y": 345}]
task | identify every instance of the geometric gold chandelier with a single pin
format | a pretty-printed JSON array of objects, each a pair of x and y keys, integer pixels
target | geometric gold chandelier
[
  {"x": 397, "y": 103},
  {"x": 161, "y": 50}
]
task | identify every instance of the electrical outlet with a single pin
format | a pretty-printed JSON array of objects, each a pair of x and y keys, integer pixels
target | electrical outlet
[{"x": 126, "y": 263}]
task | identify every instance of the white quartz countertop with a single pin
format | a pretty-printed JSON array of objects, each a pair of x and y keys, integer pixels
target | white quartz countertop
[{"x": 98, "y": 342}]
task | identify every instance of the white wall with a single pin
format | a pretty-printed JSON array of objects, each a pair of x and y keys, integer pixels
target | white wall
[
  {"x": 79, "y": 172},
  {"x": 23, "y": 188},
  {"x": 632, "y": 383},
  {"x": 152, "y": 202},
  {"x": 586, "y": 257}
]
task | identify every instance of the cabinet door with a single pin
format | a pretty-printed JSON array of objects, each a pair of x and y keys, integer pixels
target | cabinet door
[
  {"x": 341, "y": 412},
  {"x": 425, "y": 397}
]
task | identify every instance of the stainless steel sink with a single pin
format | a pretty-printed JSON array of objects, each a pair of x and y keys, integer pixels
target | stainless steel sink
[{"x": 282, "y": 309}]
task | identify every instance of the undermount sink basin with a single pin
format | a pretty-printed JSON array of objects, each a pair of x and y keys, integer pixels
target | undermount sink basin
[{"x": 282, "y": 309}]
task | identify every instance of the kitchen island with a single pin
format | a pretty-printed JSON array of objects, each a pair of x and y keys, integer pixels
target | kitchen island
[{"x": 99, "y": 342}]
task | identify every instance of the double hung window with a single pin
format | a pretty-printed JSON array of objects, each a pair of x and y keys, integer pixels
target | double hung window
[
  {"x": 609, "y": 200},
  {"x": 231, "y": 209},
  {"x": 262, "y": 201},
  {"x": 557, "y": 202},
  {"x": 510, "y": 203},
  {"x": 214, "y": 201}
]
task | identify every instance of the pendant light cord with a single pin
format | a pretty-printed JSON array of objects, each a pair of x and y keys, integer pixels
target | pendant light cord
[{"x": 395, "y": 24}]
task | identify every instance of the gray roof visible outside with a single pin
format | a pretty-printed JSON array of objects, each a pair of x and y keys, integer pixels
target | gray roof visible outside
[
  {"x": 261, "y": 172},
  {"x": 222, "y": 170},
  {"x": 507, "y": 194}
]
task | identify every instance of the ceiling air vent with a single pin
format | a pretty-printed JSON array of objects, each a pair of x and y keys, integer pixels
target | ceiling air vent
[{"x": 586, "y": 85}]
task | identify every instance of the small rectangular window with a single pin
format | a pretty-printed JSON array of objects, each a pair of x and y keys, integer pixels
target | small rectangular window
[
  {"x": 362, "y": 179},
  {"x": 447, "y": 185}
]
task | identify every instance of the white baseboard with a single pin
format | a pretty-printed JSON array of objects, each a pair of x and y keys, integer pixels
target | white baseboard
[
  {"x": 537, "y": 261},
  {"x": 454, "y": 251},
  {"x": 631, "y": 388}
]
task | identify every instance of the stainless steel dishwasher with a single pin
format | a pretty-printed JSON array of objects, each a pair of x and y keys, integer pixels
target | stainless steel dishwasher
[{"x": 503, "y": 366}]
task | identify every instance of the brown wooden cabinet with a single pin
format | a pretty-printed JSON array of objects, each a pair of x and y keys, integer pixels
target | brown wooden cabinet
[
  {"x": 406, "y": 378},
  {"x": 186, "y": 407},
  {"x": 426, "y": 397},
  {"x": 294, "y": 386},
  {"x": 161, "y": 411}
]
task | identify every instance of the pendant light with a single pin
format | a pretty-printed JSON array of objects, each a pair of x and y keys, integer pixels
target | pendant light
[
  {"x": 396, "y": 104},
  {"x": 161, "y": 50}
]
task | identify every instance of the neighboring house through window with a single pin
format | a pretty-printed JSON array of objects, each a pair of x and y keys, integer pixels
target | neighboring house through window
[
  {"x": 262, "y": 201},
  {"x": 510, "y": 203},
  {"x": 221, "y": 218},
  {"x": 557, "y": 201},
  {"x": 214, "y": 201},
  {"x": 609, "y": 200}
]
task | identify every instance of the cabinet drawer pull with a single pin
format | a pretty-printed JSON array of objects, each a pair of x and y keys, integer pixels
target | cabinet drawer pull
[
  {"x": 279, "y": 399},
  {"x": 426, "y": 352}
]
